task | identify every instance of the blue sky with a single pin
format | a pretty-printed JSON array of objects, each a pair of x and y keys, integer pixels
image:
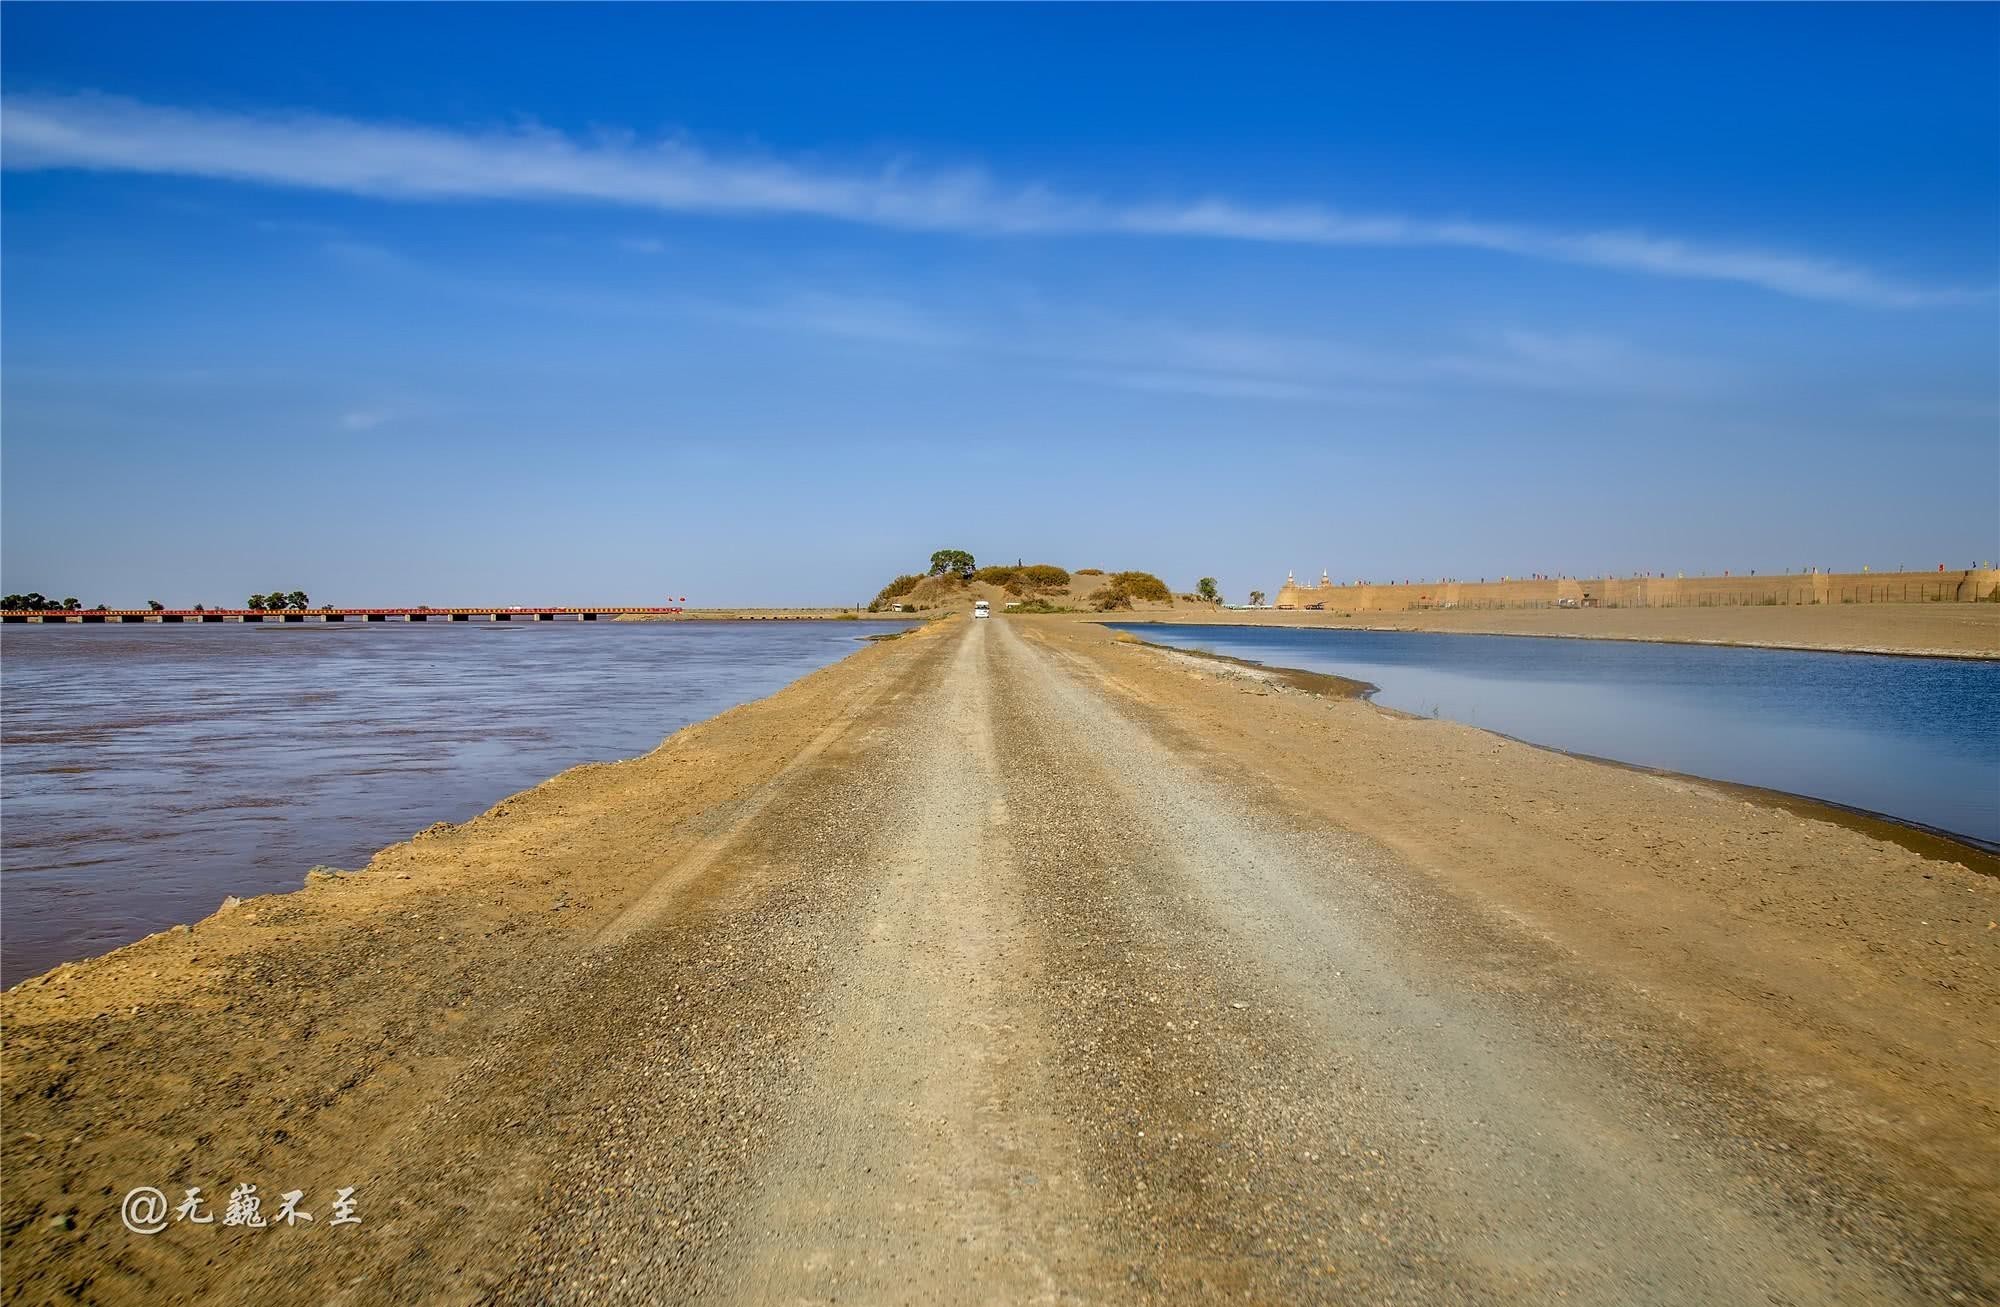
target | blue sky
[{"x": 759, "y": 305}]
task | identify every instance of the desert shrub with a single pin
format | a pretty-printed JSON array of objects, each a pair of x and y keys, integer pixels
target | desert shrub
[
  {"x": 1023, "y": 577},
  {"x": 1038, "y": 606},
  {"x": 1143, "y": 585},
  {"x": 1124, "y": 587},
  {"x": 893, "y": 591},
  {"x": 1090, "y": 571}
]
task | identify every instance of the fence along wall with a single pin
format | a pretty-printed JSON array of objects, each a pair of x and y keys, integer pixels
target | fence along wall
[{"x": 1967, "y": 586}]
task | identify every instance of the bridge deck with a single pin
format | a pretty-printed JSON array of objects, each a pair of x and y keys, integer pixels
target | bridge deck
[{"x": 497, "y": 614}]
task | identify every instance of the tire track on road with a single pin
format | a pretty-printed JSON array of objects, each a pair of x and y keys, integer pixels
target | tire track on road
[
  {"x": 1325, "y": 1117},
  {"x": 924, "y": 1163}
]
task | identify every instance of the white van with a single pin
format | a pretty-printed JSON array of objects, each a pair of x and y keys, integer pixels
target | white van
[{"x": 980, "y": 608}]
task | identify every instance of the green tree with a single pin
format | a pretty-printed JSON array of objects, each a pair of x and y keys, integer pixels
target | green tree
[
  {"x": 953, "y": 561},
  {"x": 297, "y": 599},
  {"x": 255, "y": 603},
  {"x": 156, "y": 605},
  {"x": 72, "y": 603},
  {"x": 1256, "y": 598},
  {"x": 1207, "y": 590}
]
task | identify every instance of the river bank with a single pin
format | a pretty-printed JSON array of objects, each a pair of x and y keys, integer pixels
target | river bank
[
  {"x": 1926, "y": 841},
  {"x": 1910, "y": 738},
  {"x": 1008, "y": 958},
  {"x": 1943, "y": 630}
]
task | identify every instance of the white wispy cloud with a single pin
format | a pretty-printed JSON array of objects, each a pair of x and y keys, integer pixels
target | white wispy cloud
[
  {"x": 1577, "y": 362},
  {"x": 423, "y": 163},
  {"x": 872, "y": 320},
  {"x": 1240, "y": 363},
  {"x": 1982, "y": 409},
  {"x": 1209, "y": 385},
  {"x": 1278, "y": 364},
  {"x": 364, "y": 254}
]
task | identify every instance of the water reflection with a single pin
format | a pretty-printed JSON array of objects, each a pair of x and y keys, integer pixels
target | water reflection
[
  {"x": 150, "y": 770},
  {"x": 1915, "y": 738}
]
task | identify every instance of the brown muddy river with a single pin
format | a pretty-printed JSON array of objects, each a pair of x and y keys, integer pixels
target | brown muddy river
[{"x": 151, "y": 770}]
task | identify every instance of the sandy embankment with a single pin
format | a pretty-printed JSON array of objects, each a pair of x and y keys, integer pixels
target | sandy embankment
[
  {"x": 1006, "y": 960},
  {"x": 1943, "y": 630},
  {"x": 765, "y": 615}
]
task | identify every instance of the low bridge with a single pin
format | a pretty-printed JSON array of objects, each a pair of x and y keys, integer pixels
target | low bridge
[{"x": 499, "y": 614}]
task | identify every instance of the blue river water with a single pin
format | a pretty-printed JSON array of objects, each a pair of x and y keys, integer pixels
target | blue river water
[
  {"x": 1917, "y": 739},
  {"x": 151, "y": 770}
]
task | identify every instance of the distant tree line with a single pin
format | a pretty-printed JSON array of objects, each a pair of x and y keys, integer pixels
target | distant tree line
[{"x": 36, "y": 602}]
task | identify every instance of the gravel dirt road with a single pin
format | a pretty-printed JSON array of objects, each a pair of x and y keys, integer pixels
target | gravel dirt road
[{"x": 989, "y": 967}]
